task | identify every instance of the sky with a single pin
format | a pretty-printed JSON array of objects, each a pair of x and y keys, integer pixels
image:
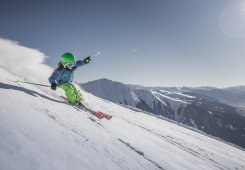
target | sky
[{"x": 145, "y": 42}]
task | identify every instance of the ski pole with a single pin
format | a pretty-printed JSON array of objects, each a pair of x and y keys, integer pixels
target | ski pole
[
  {"x": 27, "y": 82},
  {"x": 97, "y": 54}
]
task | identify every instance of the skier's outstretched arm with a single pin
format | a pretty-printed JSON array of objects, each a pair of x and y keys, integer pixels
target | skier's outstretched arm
[{"x": 80, "y": 63}]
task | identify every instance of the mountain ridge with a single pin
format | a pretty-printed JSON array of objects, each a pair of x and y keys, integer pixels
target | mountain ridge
[{"x": 204, "y": 108}]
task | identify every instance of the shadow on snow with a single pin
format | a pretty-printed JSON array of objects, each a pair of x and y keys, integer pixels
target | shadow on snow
[{"x": 27, "y": 91}]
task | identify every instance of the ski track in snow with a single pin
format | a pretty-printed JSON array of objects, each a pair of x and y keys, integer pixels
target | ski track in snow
[
  {"x": 177, "y": 143},
  {"x": 141, "y": 153},
  {"x": 40, "y": 131}
]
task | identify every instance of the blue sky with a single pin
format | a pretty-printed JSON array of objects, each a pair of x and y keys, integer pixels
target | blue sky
[{"x": 147, "y": 42}]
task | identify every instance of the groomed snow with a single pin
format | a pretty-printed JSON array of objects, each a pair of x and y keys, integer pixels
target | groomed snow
[{"x": 39, "y": 131}]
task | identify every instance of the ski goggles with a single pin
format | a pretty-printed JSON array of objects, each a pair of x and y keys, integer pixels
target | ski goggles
[{"x": 71, "y": 65}]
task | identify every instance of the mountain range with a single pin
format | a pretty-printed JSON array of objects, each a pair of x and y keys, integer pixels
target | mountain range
[{"x": 218, "y": 112}]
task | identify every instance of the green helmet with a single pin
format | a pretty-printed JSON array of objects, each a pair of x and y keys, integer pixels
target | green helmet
[{"x": 68, "y": 58}]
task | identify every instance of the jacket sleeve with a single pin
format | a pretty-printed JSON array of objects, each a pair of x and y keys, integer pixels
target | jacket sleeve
[
  {"x": 79, "y": 63},
  {"x": 55, "y": 77}
]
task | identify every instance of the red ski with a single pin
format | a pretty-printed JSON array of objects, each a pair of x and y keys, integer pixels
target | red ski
[{"x": 98, "y": 114}]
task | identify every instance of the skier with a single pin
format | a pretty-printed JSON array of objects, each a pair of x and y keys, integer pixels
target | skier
[{"x": 63, "y": 77}]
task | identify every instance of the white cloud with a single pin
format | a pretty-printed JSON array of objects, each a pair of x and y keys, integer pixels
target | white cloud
[{"x": 23, "y": 61}]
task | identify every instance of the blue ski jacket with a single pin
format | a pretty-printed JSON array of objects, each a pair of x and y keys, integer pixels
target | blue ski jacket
[{"x": 62, "y": 75}]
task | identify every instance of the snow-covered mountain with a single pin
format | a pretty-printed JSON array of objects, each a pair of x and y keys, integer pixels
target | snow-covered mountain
[
  {"x": 203, "y": 108},
  {"x": 234, "y": 96},
  {"x": 40, "y": 131}
]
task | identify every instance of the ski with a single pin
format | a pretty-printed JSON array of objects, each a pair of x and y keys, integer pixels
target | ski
[{"x": 98, "y": 114}]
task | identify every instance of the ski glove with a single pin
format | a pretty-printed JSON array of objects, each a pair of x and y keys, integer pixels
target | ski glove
[
  {"x": 53, "y": 86},
  {"x": 87, "y": 60}
]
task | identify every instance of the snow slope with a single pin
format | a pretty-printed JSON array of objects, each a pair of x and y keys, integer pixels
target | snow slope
[{"x": 40, "y": 131}]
